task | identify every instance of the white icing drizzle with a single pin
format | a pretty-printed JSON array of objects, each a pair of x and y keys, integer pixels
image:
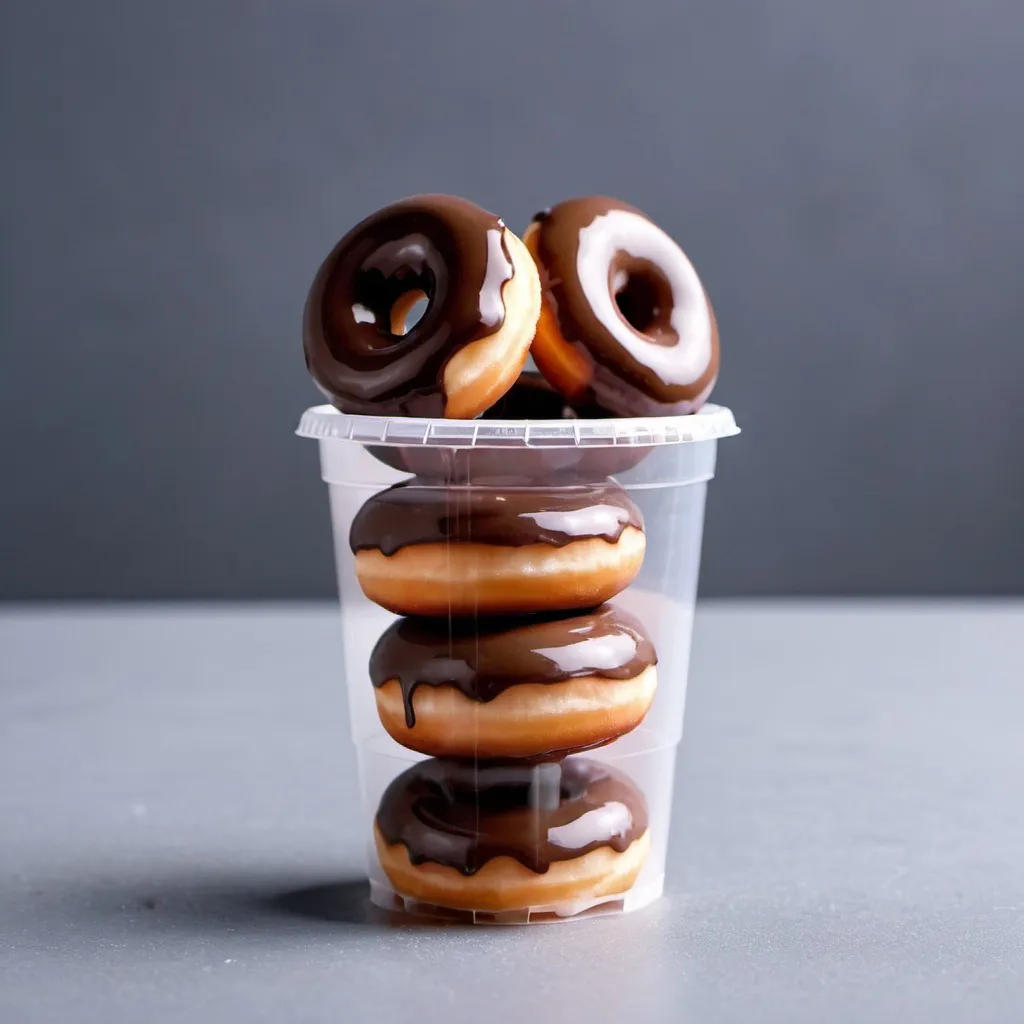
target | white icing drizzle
[
  {"x": 622, "y": 231},
  {"x": 600, "y": 824}
]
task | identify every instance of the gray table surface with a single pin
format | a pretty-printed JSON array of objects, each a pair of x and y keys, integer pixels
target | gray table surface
[{"x": 848, "y": 832}]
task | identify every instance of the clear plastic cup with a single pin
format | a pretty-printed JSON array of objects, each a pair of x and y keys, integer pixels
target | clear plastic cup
[{"x": 664, "y": 464}]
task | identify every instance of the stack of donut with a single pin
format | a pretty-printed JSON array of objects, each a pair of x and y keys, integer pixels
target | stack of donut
[{"x": 508, "y": 658}]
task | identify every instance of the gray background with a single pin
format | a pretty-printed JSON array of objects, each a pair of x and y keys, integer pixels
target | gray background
[{"x": 847, "y": 177}]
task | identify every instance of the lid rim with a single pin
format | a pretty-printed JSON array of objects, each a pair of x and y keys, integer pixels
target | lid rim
[{"x": 710, "y": 423}]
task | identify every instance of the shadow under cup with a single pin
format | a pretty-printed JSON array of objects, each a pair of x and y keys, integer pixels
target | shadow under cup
[{"x": 664, "y": 465}]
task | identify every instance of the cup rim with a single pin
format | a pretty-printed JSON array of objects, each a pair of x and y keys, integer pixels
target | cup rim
[{"x": 710, "y": 423}]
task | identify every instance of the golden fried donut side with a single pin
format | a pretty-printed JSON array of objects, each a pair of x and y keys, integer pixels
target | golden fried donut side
[
  {"x": 476, "y": 376},
  {"x": 505, "y": 884},
  {"x": 527, "y": 720},
  {"x": 567, "y": 369},
  {"x": 468, "y": 579}
]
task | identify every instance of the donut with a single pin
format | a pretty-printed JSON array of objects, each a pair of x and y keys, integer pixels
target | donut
[
  {"x": 625, "y": 322},
  {"x": 460, "y": 551},
  {"x": 510, "y": 837},
  {"x": 467, "y": 349},
  {"x": 513, "y": 688}
]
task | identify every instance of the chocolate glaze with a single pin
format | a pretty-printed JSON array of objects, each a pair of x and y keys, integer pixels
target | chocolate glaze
[
  {"x": 462, "y": 815},
  {"x": 445, "y": 247},
  {"x": 483, "y": 658},
  {"x": 649, "y": 299},
  {"x": 416, "y": 512}
]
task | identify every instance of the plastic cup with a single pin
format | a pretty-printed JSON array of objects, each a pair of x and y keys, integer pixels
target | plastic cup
[{"x": 664, "y": 463}]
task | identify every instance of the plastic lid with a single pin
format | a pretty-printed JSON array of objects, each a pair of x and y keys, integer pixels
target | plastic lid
[{"x": 709, "y": 424}]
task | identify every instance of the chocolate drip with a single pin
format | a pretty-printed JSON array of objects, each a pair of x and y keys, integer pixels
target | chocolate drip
[
  {"x": 443, "y": 247},
  {"x": 648, "y": 297},
  {"x": 483, "y": 658},
  {"x": 463, "y": 815},
  {"x": 416, "y": 513}
]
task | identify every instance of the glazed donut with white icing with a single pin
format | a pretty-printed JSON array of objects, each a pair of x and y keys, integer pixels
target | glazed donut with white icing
[
  {"x": 625, "y": 322},
  {"x": 469, "y": 346}
]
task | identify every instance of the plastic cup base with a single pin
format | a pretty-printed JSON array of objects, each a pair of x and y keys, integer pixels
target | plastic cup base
[{"x": 386, "y": 898}]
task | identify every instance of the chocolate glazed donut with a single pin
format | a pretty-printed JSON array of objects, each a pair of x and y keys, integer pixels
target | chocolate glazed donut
[
  {"x": 500, "y": 837},
  {"x": 470, "y": 551},
  {"x": 536, "y": 687},
  {"x": 469, "y": 346},
  {"x": 626, "y": 323}
]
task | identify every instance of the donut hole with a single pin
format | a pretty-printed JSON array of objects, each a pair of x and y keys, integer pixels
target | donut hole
[
  {"x": 394, "y": 289},
  {"x": 407, "y": 311},
  {"x": 643, "y": 297}
]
